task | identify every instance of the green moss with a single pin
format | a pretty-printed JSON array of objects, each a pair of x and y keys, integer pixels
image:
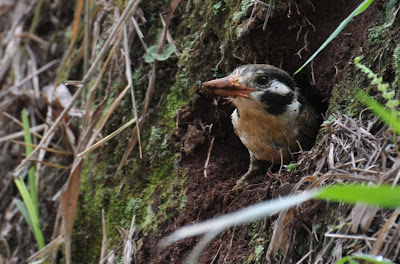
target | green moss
[
  {"x": 151, "y": 195},
  {"x": 151, "y": 188},
  {"x": 258, "y": 241},
  {"x": 396, "y": 62},
  {"x": 344, "y": 95},
  {"x": 377, "y": 35},
  {"x": 344, "y": 98}
]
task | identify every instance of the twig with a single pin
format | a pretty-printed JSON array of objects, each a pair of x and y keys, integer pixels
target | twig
[
  {"x": 30, "y": 76},
  {"x": 21, "y": 133},
  {"x": 349, "y": 236},
  {"x": 267, "y": 15},
  {"x": 208, "y": 157}
]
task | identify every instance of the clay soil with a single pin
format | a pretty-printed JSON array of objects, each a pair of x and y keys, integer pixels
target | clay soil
[{"x": 308, "y": 25}]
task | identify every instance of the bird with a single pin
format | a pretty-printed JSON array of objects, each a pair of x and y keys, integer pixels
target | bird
[{"x": 272, "y": 119}]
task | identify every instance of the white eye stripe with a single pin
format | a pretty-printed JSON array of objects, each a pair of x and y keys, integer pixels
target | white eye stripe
[{"x": 279, "y": 88}]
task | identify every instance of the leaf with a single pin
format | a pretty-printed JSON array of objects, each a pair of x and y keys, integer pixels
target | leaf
[
  {"x": 385, "y": 196},
  {"x": 149, "y": 57},
  {"x": 69, "y": 200},
  {"x": 217, "y": 5},
  {"x": 151, "y": 53},
  {"x": 366, "y": 257},
  {"x": 390, "y": 7},
  {"x": 384, "y": 114},
  {"x": 28, "y": 150},
  {"x": 364, "y": 5},
  {"x": 27, "y": 132},
  {"x": 166, "y": 54},
  {"x": 21, "y": 207},
  {"x": 35, "y": 222}
]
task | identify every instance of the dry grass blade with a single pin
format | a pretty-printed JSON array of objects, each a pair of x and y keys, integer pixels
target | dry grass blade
[
  {"x": 134, "y": 136},
  {"x": 132, "y": 6},
  {"x": 107, "y": 138},
  {"x": 56, "y": 151},
  {"x": 9, "y": 53},
  {"x": 92, "y": 90},
  {"x": 51, "y": 165},
  {"x": 29, "y": 77},
  {"x": 20, "y": 134},
  {"x": 48, "y": 250},
  {"x": 69, "y": 198},
  {"x": 149, "y": 92},
  {"x": 68, "y": 205},
  {"x": 276, "y": 239},
  {"x": 77, "y": 16},
  {"x": 129, "y": 244},
  {"x": 32, "y": 130},
  {"x": 104, "y": 243},
  {"x": 128, "y": 74},
  {"x": 383, "y": 233},
  {"x": 257, "y": 211}
]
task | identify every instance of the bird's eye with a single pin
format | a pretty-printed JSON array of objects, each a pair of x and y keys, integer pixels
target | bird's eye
[{"x": 262, "y": 80}]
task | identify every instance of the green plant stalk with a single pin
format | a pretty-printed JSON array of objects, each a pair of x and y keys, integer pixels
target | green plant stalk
[
  {"x": 28, "y": 150},
  {"x": 364, "y": 5}
]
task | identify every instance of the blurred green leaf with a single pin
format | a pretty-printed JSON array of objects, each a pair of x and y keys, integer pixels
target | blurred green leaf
[
  {"x": 390, "y": 7},
  {"x": 384, "y": 114},
  {"x": 217, "y": 5},
  {"x": 291, "y": 166},
  {"x": 385, "y": 196},
  {"x": 366, "y": 257}
]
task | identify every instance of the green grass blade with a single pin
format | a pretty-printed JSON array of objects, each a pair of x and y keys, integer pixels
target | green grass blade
[
  {"x": 384, "y": 114},
  {"x": 389, "y": 7},
  {"x": 23, "y": 190},
  {"x": 364, "y": 5},
  {"x": 28, "y": 150},
  {"x": 385, "y": 196},
  {"x": 366, "y": 257},
  {"x": 21, "y": 207}
]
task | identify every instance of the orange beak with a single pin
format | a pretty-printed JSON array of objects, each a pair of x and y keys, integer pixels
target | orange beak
[{"x": 228, "y": 86}]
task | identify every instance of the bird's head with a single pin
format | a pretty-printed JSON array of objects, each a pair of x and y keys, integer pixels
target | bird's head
[{"x": 261, "y": 83}]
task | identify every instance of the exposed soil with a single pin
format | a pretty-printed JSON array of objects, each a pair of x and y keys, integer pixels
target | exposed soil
[{"x": 294, "y": 28}]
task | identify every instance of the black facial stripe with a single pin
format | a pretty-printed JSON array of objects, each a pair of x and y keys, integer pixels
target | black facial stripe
[{"x": 276, "y": 104}]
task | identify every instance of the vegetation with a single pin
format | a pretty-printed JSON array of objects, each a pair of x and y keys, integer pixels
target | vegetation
[{"x": 122, "y": 147}]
